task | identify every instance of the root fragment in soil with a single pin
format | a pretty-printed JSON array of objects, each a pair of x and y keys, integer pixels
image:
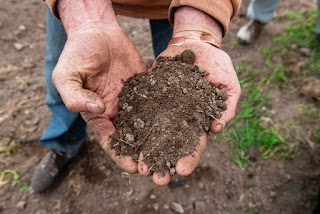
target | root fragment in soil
[{"x": 163, "y": 113}]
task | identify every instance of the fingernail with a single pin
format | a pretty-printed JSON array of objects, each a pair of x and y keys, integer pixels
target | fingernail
[
  {"x": 176, "y": 41},
  {"x": 217, "y": 127},
  {"x": 94, "y": 108}
]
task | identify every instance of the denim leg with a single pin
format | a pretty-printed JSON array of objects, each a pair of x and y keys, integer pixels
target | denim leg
[
  {"x": 318, "y": 19},
  {"x": 262, "y": 10},
  {"x": 66, "y": 131},
  {"x": 161, "y": 31}
]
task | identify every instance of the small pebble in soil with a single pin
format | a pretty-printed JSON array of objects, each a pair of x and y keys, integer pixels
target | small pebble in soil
[
  {"x": 21, "y": 205},
  {"x": 152, "y": 197},
  {"x": 176, "y": 207},
  {"x": 18, "y": 46}
]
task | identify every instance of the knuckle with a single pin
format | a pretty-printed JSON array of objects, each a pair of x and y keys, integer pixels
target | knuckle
[{"x": 70, "y": 105}]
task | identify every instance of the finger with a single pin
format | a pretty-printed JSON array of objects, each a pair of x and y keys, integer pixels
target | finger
[
  {"x": 161, "y": 179},
  {"x": 186, "y": 165},
  {"x": 103, "y": 129},
  {"x": 229, "y": 113},
  {"x": 143, "y": 168},
  {"x": 74, "y": 96}
]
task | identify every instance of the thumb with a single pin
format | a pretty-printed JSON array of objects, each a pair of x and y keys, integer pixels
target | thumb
[{"x": 74, "y": 96}]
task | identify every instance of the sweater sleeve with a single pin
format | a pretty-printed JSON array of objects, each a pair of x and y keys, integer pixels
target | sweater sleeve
[{"x": 222, "y": 10}]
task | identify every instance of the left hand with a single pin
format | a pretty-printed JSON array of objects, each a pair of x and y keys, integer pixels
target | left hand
[{"x": 221, "y": 74}]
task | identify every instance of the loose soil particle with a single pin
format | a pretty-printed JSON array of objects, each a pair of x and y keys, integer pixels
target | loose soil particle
[{"x": 163, "y": 113}]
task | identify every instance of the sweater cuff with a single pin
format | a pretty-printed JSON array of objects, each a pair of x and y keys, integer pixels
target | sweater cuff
[
  {"x": 52, "y": 4},
  {"x": 222, "y": 10}
]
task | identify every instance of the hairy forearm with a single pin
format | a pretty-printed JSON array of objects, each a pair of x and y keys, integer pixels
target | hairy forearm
[
  {"x": 188, "y": 19},
  {"x": 77, "y": 14}
]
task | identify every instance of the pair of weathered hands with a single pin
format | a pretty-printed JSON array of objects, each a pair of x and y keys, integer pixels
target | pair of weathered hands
[{"x": 99, "y": 56}]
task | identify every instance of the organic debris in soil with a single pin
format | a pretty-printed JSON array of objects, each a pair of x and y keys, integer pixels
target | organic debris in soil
[{"x": 162, "y": 114}]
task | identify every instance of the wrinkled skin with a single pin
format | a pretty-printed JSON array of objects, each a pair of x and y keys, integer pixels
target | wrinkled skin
[
  {"x": 221, "y": 73},
  {"x": 89, "y": 77}
]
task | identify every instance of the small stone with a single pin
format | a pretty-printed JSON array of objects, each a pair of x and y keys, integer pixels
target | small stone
[
  {"x": 273, "y": 194},
  {"x": 265, "y": 122},
  {"x": 166, "y": 206},
  {"x": 168, "y": 164},
  {"x": 21, "y": 205},
  {"x": 251, "y": 205},
  {"x": 294, "y": 46},
  {"x": 152, "y": 197},
  {"x": 125, "y": 106},
  {"x": 201, "y": 185},
  {"x": 156, "y": 206},
  {"x": 199, "y": 207},
  {"x": 289, "y": 177},
  {"x": 18, "y": 46},
  {"x": 172, "y": 171},
  {"x": 177, "y": 208},
  {"x": 22, "y": 28},
  {"x": 305, "y": 51},
  {"x": 129, "y": 137},
  {"x": 153, "y": 82},
  {"x": 40, "y": 25},
  {"x": 184, "y": 90},
  {"x": 138, "y": 123},
  {"x": 129, "y": 108}
]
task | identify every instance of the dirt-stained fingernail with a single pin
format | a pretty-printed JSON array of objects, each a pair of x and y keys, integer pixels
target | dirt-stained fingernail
[{"x": 94, "y": 108}]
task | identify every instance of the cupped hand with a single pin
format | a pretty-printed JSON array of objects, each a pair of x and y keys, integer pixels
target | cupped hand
[
  {"x": 220, "y": 73},
  {"x": 89, "y": 77}
]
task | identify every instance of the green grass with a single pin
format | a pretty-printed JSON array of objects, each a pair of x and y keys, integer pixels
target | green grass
[
  {"x": 301, "y": 32},
  {"x": 311, "y": 111},
  {"x": 252, "y": 211},
  {"x": 11, "y": 148},
  {"x": 315, "y": 61},
  {"x": 279, "y": 73},
  {"x": 246, "y": 129},
  {"x": 317, "y": 134},
  {"x": 16, "y": 179}
]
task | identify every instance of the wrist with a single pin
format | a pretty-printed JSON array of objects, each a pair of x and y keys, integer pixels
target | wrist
[
  {"x": 80, "y": 14},
  {"x": 195, "y": 24}
]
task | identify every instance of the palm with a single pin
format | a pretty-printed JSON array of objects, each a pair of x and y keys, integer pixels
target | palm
[
  {"x": 220, "y": 71},
  {"x": 92, "y": 69},
  {"x": 221, "y": 74}
]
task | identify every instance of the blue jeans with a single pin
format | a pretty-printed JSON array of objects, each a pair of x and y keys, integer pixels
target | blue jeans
[
  {"x": 263, "y": 11},
  {"x": 66, "y": 131}
]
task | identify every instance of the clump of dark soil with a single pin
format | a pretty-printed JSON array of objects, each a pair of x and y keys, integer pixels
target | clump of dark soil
[{"x": 162, "y": 114}]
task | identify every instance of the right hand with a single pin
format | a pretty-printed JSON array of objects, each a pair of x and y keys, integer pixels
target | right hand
[{"x": 89, "y": 76}]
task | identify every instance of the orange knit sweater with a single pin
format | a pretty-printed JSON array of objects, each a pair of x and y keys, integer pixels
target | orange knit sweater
[{"x": 221, "y": 10}]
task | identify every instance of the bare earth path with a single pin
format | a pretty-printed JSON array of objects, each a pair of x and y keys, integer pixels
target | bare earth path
[{"x": 94, "y": 184}]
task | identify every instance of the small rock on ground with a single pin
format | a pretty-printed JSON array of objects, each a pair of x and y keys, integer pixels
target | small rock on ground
[{"x": 177, "y": 208}]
